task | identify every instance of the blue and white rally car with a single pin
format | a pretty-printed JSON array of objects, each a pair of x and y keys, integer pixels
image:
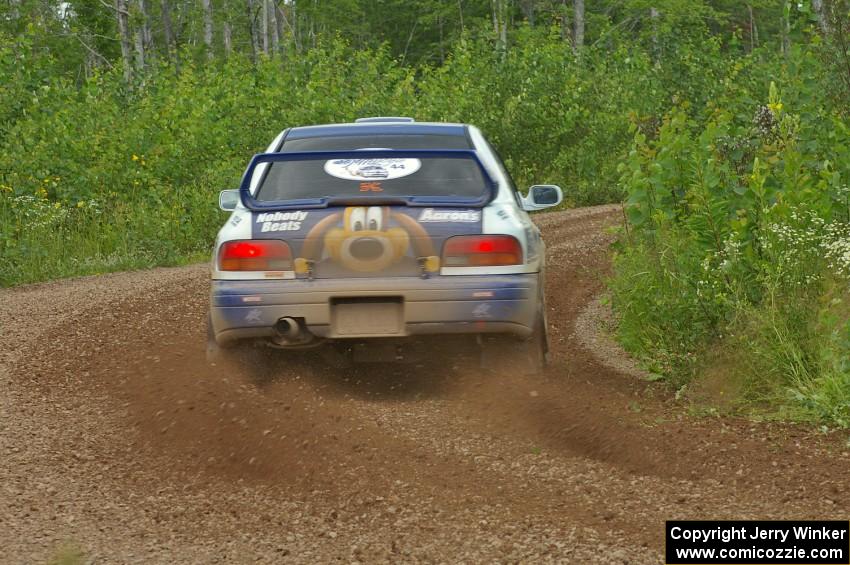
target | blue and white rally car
[{"x": 379, "y": 232}]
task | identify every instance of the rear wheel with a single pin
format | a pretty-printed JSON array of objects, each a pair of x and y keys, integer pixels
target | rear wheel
[
  {"x": 252, "y": 355},
  {"x": 537, "y": 349},
  {"x": 509, "y": 356},
  {"x": 215, "y": 352}
]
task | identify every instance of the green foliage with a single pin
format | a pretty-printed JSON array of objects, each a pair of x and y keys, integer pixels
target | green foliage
[
  {"x": 553, "y": 118},
  {"x": 738, "y": 233},
  {"x": 152, "y": 161}
]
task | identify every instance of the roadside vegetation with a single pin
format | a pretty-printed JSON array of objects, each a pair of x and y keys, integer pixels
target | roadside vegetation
[
  {"x": 101, "y": 178},
  {"x": 732, "y": 279},
  {"x": 722, "y": 125},
  {"x": 117, "y": 135}
]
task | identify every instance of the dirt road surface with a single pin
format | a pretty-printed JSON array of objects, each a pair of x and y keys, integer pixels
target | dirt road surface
[{"x": 118, "y": 439}]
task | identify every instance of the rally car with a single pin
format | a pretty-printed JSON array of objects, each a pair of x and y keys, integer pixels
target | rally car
[
  {"x": 372, "y": 172},
  {"x": 315, "y": 252}
]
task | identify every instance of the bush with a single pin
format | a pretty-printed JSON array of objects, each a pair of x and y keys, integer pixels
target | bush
[
  {"x": 738, "y": 249},
  {"x": 153, "y": 158}
]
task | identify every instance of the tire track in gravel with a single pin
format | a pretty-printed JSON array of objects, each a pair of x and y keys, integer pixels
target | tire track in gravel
[{"x": 118, "y": 435}]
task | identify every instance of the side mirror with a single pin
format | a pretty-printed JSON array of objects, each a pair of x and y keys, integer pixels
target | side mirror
[
  {"x": 542, "y": 196},
  {"x": 228, "y": 200}
]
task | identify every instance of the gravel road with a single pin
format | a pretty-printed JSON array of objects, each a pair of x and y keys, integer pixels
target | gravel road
[{"x": 117, "y": 439}]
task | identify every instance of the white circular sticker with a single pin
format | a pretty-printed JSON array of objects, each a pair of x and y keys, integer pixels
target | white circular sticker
[{"x": 371, "y": 169}]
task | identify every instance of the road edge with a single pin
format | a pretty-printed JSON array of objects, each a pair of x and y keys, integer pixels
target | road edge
[{"x": 592, "y": 330}]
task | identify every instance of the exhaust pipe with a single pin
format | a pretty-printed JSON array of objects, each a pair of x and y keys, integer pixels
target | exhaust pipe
[
  {"x": 292, "y": 333},
  {"x": 288, "y": 328}
]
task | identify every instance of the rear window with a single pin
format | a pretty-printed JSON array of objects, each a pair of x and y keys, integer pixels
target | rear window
[{"x": 389, "y": 177}]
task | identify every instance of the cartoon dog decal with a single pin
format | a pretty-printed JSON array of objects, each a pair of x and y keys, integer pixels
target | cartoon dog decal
[{"x": 365, "y": 242}]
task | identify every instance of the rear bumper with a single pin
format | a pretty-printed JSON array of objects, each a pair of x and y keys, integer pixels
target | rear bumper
[{"x": 438, "y": 305}]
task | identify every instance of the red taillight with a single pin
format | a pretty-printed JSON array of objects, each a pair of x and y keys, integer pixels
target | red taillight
[
  {"x": 255, "y": 255},
  {"x": 481, "y": 251}
]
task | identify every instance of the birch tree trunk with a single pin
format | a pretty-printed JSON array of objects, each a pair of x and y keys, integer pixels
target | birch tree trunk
[
  {"x": 168, "y": 30},
  {"x": 208, "y": 27},
  {"x": 142, "y": 38},
  {"x": 823, "y": 21},
  {"x": 279, "y": 20},
  {"x": 578, "y": 25},
  {"x": 89, "y": 63},
  {"x": 227, "y": 37},
  {"x": 275, "y": 30},
  {"x": 265, "y": 26},
  {"x": 147, "y": 36},
  {"x": 286, "y": 23},
  {"x": 656, "y": 48},
  {"x": 500, "y": 24},
  {"x": 785, "y": 27},
  {"x": 139, "y": 42},
  {"x": 252, "y": 28},
  {"x": 124, "y": 34}
]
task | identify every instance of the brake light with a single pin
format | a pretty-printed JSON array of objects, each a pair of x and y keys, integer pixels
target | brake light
[
  {"x": 255, "y": 255},
  {"x": 481, "y": 251}
]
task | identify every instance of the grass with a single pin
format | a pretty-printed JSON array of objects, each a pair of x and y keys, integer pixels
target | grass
[
  {"x": 783, "y": 357},
  {"x": 776, "y": 364},
  {"x": 40, "y": 240}
]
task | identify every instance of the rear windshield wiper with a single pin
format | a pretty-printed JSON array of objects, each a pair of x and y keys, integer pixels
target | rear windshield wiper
[{"x": 366, "y": 200}]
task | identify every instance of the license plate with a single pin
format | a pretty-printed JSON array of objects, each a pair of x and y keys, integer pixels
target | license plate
[{"x": 367, "y": 317}]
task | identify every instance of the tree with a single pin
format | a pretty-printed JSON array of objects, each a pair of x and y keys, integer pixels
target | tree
[
  {"x": 142, "y": 35},
  {"x": 252, "y": 29},
  {"x": 823, "y": 21},
  {"x": 208, "y": 28},
  {"x": 500, "y": 24},
  {"x": 578, "y": 25},
  {"x": 123, "y": 17},
  {"x": 171, "y": 51}
]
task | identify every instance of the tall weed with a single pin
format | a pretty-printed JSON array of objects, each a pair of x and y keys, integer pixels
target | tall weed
[
  {"x": 153, "y": 158},
  {"x": 738, "y": 249}
]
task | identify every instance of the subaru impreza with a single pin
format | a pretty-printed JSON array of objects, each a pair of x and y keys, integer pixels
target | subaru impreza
[{"x": 371, "y": 235}]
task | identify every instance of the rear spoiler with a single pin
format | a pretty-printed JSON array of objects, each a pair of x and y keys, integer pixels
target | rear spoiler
[{"x": 252, "y": 203}]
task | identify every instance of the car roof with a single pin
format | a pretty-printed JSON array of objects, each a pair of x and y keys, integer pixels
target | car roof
[{"x": 377, "y": 128}]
